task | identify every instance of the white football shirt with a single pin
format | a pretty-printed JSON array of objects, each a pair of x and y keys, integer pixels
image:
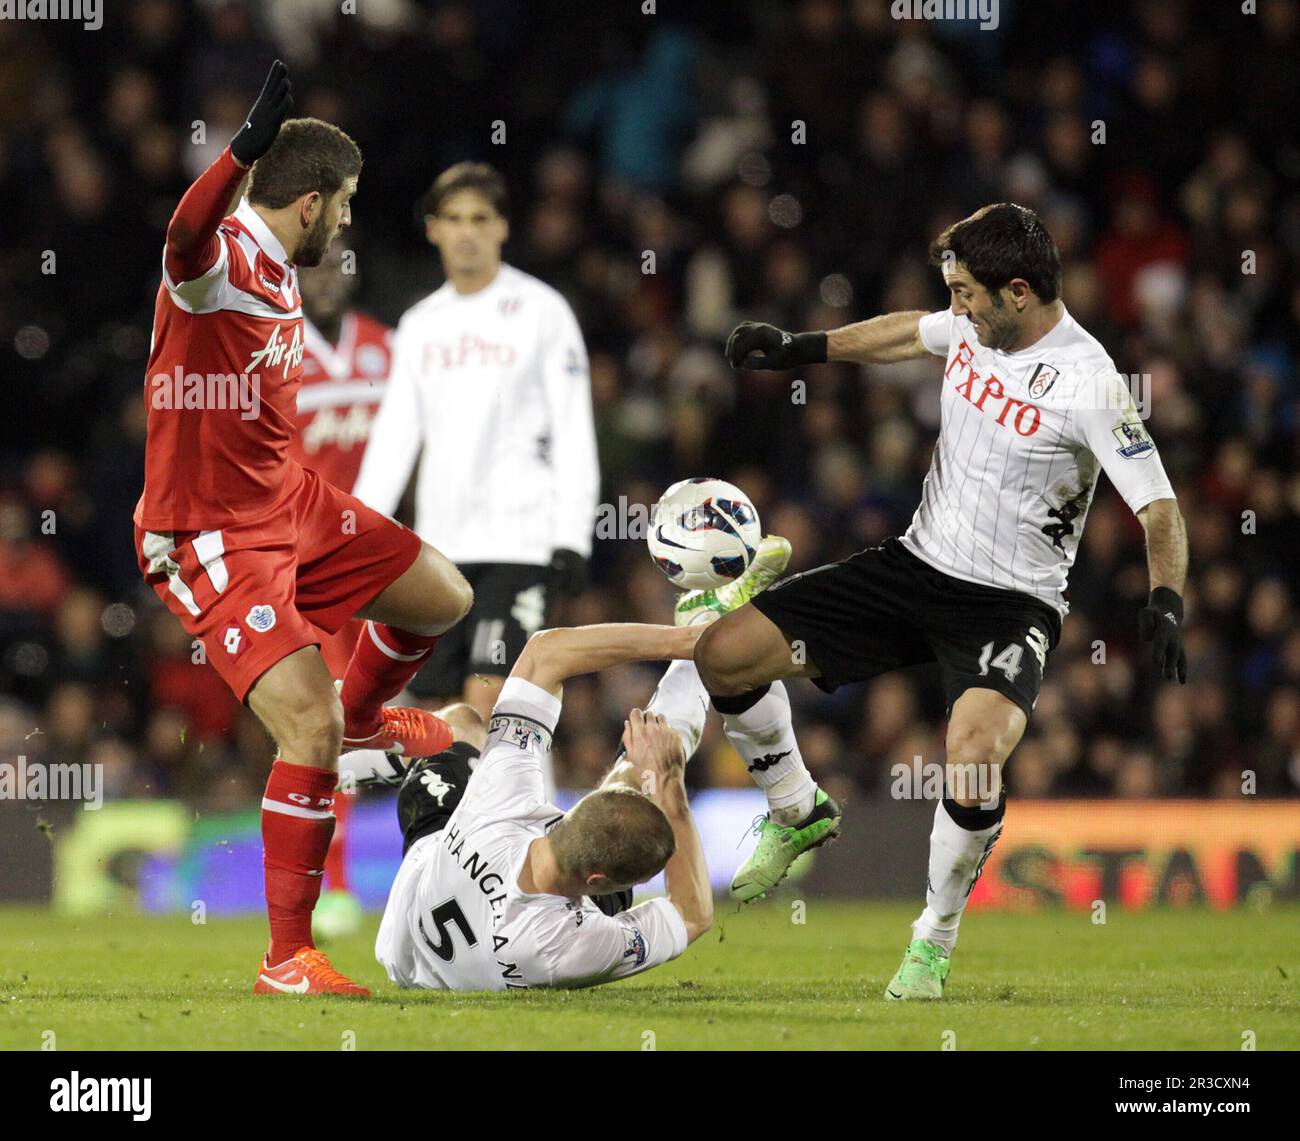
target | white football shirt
[
  {"x": 1022, "y": 438},
  {"x": 494, "y": 386},
  {"x": 456, "y": 917}
]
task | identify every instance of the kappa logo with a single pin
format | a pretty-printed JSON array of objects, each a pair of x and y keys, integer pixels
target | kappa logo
[
  {"x": 767, "y": 760},
  {"x": 261, "y": 618},
  {"x": 1040, "y": 383},
  {"x": 435, "y": 786}
]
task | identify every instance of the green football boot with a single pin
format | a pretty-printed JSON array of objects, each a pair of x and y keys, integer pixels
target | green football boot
[
  {"x": 779, "y": 846},
  {"x": 768, "y": 564},
  {"x": 922, "y": 975}
]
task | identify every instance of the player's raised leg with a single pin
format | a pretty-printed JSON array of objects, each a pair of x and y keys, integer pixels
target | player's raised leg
[
  {"x": 983, "y": 729},
  {"x": 404, "y": 623},
  {"x": 742, "y": 658}
]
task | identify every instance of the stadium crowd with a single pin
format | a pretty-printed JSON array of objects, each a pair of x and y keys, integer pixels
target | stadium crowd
[{"x": 782, "y": 161}]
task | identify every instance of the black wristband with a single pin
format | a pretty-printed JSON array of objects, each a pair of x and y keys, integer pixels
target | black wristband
[
  {"x": 1162, "y": 598},
  {"x": 808, "y": 348}
]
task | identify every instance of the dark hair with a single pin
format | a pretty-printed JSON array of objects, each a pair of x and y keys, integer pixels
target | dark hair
[
  {"x": 617, "y": 831},
  {"x": 307, "y": 155},
  {"x": 1000, "y": 242},
  {"x": 477, "y": 176}
]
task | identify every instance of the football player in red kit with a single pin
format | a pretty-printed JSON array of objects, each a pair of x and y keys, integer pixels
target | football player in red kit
[
  {"x": 254, "y": 553},
  {"x": 345, "y": 364}
]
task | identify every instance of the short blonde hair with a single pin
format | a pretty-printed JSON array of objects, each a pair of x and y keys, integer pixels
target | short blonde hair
[{"x": 619, "y": 832}]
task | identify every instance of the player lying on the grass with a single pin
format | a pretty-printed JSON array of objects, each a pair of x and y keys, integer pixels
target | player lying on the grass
[
  {"x": 1032, "y": 410},
  {"x": 498, "y": 889},
  {"x": 493, "y": 890}
]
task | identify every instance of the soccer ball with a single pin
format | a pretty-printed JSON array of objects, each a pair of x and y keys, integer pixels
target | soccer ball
[{"x": 703, "y": 533}]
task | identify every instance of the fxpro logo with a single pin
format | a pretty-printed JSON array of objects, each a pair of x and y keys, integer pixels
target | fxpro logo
[
  {"x": 87, "y": 11},
  {"x": 986, "y": 11},
  {"x": 75, "y": 1094}
]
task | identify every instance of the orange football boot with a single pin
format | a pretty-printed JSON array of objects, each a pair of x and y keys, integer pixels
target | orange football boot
[
  {"x": 307, "y": 972},
  {"x": 410, "y": 732}
]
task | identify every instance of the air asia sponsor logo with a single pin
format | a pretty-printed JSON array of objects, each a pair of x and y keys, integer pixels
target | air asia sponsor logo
[
  {"x": 988, "y": 394},
  {"x": 209, "y": 392},
  {"x": 89, "y": 12},
  {"x": 985, "y": 11},
  {"x": 328, "y": 427},
  {"x": 261, "y": 618},
  {"x": 278, "y": 352},
  {"x": 75, "y": 1094},
  {"x": 23, "y": 780},
  {"x": 1134, "y": 443},
  {"x": 468, "y": 351}
]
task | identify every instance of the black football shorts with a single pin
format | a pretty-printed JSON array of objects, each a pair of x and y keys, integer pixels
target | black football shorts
[
  {"x": 510, "y": 605},
  {"x": 884, "y": 609}
]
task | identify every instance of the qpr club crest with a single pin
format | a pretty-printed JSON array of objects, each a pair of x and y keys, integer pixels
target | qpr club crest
[
  {"x": 1042, "y": 380},
  {"x": 261, "y": 619}
]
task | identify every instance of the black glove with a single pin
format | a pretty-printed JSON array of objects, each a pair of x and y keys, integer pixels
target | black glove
[
  {"x": 775, "y": 348},
  {"x": 568, "y": 573},
  {"x": 1160, "y": 622},
  {"x": 255, "y": 137}
]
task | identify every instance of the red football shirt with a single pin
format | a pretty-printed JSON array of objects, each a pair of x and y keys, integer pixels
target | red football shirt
[
  {"x": 342, "y": 386},
  {"x": 222, "y": 379}
]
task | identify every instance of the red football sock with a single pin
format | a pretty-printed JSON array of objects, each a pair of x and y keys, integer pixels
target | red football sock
[
  {"x": 296, "y": 828},
  {"x": 385, "y": 660},
  {"x": 336, "y": 875}
]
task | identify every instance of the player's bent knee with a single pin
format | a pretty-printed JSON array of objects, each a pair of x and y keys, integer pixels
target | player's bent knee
[
  {"x": 720, "y": 660},
  {"x": 311, "y": 733},
  {"x": 466, "y": 724}
]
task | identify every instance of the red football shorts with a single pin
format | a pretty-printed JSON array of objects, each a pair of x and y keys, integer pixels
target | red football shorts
[{"x": 254, "y": 594}]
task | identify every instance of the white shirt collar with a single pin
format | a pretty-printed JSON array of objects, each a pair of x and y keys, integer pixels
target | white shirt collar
[{"x": 261, "y": 232}]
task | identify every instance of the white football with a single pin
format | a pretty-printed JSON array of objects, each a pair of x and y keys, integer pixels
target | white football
[{"x": 703, "y": 533}]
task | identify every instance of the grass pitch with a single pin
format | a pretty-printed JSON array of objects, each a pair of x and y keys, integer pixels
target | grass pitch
[{"x": 1188, "y": 979}]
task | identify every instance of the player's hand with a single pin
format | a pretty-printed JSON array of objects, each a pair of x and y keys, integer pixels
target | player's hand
[
  {"x": 1160, "y": 622},
  {"x": 655, "y": 751},
  {"x": 758, "y": 346},
  {"x": 568, "y": 573},
  {"x": 257, "y": 134}
]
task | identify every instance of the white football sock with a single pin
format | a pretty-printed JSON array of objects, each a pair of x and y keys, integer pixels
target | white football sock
[
  {"x": 681, "y": 699},
  {"x": 956, "y": 857},
  {"x": 764, "y": 737}
]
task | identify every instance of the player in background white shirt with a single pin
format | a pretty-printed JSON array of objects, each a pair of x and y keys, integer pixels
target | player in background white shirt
[
  {"x": 1032, "y": 410},
  {"x": 490, "y": 378}
]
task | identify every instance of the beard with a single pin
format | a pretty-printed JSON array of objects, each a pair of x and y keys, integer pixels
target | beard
[
  {"x": 314, "y": 244},
  {"x": 999, "y": 326}
]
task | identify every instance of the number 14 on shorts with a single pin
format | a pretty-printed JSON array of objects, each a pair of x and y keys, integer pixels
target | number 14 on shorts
[{"x": 1008, "y": 660}]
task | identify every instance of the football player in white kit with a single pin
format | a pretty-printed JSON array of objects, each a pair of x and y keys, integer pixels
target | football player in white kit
[
  {"x": 490, "y": 379},
  {"x": 498, "y": 889},
  {"x": 1032, "y": 410},
  {"x": 495, "y": 887}
]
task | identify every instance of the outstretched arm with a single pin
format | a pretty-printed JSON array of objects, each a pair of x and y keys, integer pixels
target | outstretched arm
[
  {"x": 552, "y": 656},
  {"x": 886, "y": 339},
  {"x": 192, "y": 243}
]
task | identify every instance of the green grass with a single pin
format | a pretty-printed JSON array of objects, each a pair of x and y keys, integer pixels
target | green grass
[{"x": 1157, "y": 980}]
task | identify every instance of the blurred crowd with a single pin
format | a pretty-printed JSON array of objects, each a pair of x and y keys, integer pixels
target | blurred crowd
[{"x": 783, "y": 161}]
